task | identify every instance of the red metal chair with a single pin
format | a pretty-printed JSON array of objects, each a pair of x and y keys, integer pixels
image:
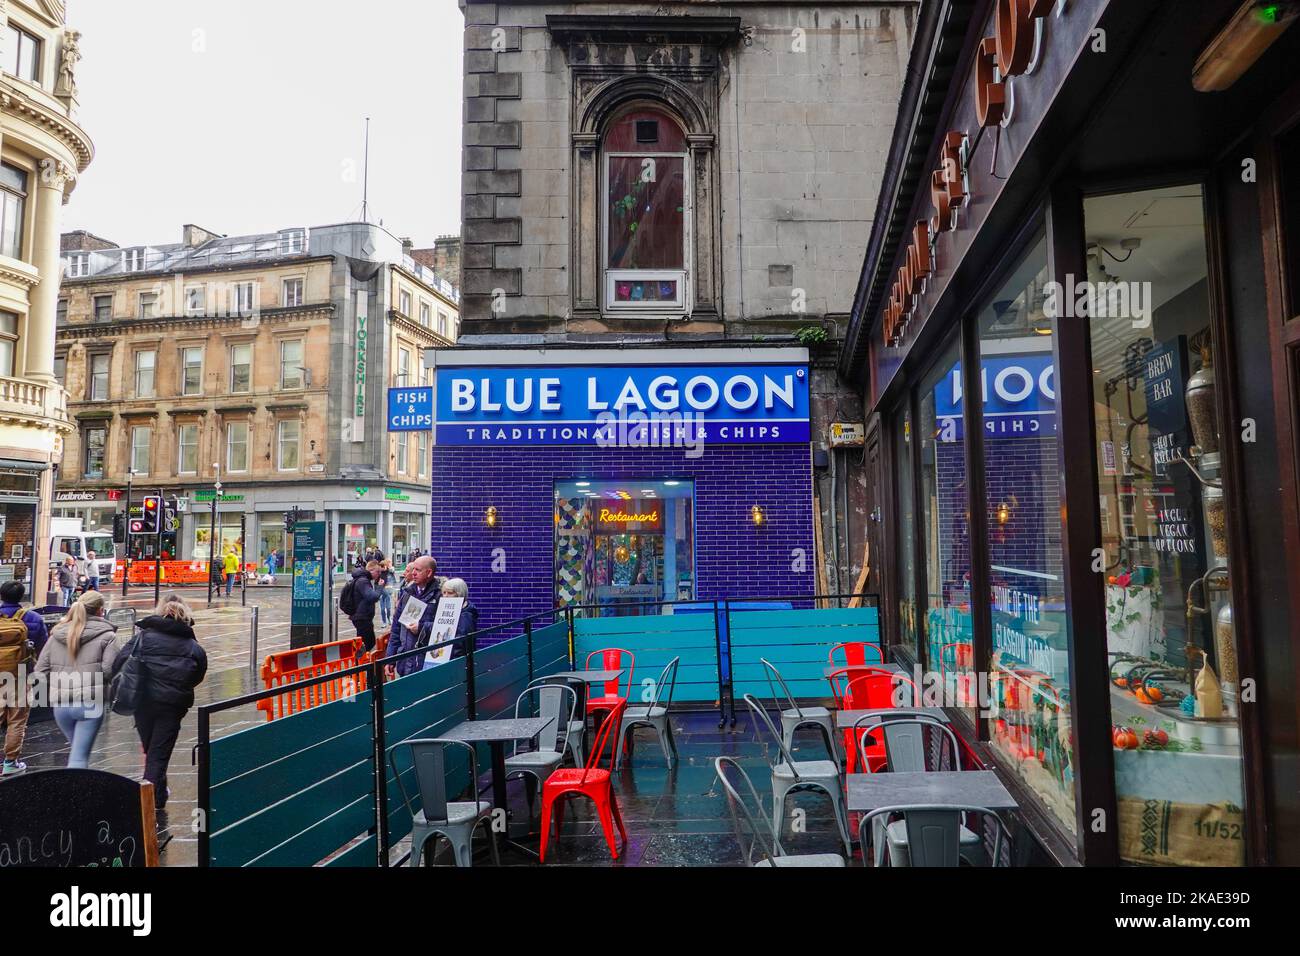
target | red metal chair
[
  {"x": 855, "y": 653},
  {"x": 591, "y": 782},
  {"x": 866, "y": 689},
  {"x": 611, "y": 658}
]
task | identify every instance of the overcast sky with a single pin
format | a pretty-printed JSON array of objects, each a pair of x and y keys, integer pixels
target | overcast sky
[{"x": 247, "y": 116}]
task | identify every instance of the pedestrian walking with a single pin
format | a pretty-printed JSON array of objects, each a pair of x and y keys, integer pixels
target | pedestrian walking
[
  {"x": 230, "y": 565},
  {"x": 22, "y": 635},
  {"x": 92, "y": 572},
  {"x": 172, "y": 665},
  {"x": 272, "y": 564},
  {"x": 358, "y": 600},
  {"x": 68, "y": 579},
  {"x": 75, "y": 663},
  {"x": 387, "y": 579}
]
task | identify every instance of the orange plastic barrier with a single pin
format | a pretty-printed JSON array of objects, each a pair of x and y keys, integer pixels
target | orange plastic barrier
[
  {"x": 289, "y": 667},
  {"x": 173, "y": 572}
]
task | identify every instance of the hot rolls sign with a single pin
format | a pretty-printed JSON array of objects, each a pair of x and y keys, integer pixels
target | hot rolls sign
[{"x": 1012, "y": 50}]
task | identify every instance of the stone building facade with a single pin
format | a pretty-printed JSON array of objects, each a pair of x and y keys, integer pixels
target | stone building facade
[
  {"x": 42, "y": 152},
  {"x": 260, "y": 361},
  {"x": 785, "y": 112},
  {"x": 694, "y": 179}
]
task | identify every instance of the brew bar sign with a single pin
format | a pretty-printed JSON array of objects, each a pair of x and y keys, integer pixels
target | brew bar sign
[{"x": 596, "y": 405}]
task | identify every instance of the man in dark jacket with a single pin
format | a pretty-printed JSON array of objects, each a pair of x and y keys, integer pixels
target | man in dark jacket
[
  {"x": 425, "y": 586},
  {"x": 172, "y": 665},
  {"x": 364, "y": 598}
]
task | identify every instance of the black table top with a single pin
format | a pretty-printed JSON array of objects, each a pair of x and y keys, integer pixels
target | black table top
[
  {"x": 496, "y": 731},
  {"x": 973, "y": 788},
  {"x": 594, "y": 677},
  {"x": 830, "y": 669},
  {"x": 845, "y": 719}
]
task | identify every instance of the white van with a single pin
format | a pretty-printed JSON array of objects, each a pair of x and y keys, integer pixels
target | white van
[{"x": 68, "y": 538}]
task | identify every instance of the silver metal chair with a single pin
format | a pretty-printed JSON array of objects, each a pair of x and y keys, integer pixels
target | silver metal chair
[
  {"x": 577, "y": 723},
  {"x": 555, "y": 702},
  {"x": 789, "y": 774},
  {"x": 654, "y": 714},
  {"x": 907, "y": 751},
  {"x": 793, "y": 716},
  {"x": 905, "y": 744},
  {"x": 928, "y": 835},
  {"x": 755, "y": 836},
  {"x": 438, "y": 816}
]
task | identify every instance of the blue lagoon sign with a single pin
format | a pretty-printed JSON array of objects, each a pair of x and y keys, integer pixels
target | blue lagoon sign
[{"x": 595, "y": 404}]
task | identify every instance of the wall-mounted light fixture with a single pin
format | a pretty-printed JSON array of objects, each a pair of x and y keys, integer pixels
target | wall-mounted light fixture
[
  {"x": 490, "y": 516},
  {"x": 757, "y": 515}
]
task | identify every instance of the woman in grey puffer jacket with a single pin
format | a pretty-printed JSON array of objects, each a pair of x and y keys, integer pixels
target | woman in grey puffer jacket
[{"x": 77, "y": 662}]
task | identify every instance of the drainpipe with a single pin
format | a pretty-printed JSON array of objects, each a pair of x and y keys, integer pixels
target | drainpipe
[{"x": 835, "y": 527}]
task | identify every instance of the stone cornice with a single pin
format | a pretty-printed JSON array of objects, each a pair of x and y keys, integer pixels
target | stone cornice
[
  {"x": 16, "y": 103},
  {"x": 182, "y": 324},
  {"x": 24, "y": 276},
  {"x": 415, "y": 330}
]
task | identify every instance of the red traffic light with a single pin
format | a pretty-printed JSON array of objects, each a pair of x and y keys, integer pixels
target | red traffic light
[{"x": 151, "y": 503}]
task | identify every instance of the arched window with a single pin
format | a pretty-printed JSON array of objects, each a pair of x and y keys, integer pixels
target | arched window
[{"x": 647, "y": 212}]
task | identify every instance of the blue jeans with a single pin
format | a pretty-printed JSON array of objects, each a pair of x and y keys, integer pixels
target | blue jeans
[
  {"x": 92, "y": 584},
  {"x": 385, "y": 605},
  {"x": 230, "y": 583},
  {"x": 80, "y": 731},
  {"x": 67, "y": 596}
]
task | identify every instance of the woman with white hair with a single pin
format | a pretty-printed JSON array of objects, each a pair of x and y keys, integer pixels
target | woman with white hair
[{"x": 468, "y": 622}]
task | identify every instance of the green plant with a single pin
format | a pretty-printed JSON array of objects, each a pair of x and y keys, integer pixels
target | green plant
[{"x": 811, "y": 335}]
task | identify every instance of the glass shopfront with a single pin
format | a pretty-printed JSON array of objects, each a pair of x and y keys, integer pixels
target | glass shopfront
[
  {"x": 624, "y": 545},
  {"x": 945, "y": 519},
  {"x": 1029, "y": 679},
  {"x": 1171, "y": 644}
]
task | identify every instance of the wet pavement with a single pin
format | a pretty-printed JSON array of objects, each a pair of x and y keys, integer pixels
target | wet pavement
[{"x": 676, "y": 817}]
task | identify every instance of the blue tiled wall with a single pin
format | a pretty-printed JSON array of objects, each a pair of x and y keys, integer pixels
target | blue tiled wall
[{"x": 733, "y": 558}]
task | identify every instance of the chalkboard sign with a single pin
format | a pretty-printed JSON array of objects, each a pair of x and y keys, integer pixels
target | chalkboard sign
[{"x": 75, "y": 818}]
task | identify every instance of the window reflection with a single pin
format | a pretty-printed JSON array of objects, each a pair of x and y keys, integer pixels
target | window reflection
[
  {"x": 1169, "y": 633},
  {"x": 1029, "y": 681}
]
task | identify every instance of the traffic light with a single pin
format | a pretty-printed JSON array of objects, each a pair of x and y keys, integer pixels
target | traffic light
[
  {"x": 290, "y": 519},
  {"x": 150, "y": 515},
  {"x": 119, "y": 528}
]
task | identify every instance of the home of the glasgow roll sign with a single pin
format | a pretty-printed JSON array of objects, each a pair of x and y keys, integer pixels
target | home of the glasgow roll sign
[{"x": 1009, "y": 52}]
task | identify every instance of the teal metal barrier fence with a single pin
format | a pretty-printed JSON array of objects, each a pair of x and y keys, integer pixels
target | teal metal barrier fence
[
  {"x": 307, "y": 788},
  {"x": 317, "y": 787}
]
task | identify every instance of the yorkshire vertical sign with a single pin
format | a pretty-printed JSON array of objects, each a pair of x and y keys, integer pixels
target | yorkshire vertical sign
[{"x": 359, "y": 369}]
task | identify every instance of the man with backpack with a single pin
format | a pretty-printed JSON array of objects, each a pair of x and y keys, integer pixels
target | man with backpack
[
  {"x": 22, "y": 633},
  {"x": 358, "y": 600}
]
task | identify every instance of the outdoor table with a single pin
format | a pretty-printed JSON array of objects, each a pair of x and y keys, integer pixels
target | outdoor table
[
  {"x": 846, "y": 719},
  {"x": 957, "y": 788},
  {"x": 497, "y": 733},
  {"x": 832, "y": 668},
  {"x": 594, "y": 677}
]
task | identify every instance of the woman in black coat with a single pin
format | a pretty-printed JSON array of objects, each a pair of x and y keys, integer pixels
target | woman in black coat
[{"x": 172, "y": 665}]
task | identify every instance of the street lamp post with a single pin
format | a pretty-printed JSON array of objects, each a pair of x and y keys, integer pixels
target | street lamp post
[
  {"x": 126, "y": 533},
  {"x": 212, "y": 531}
]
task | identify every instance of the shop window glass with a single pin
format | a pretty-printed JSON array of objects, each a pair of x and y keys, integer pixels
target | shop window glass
[
  {"x": 1028, "y": 689},
  {"x": 903, "y": 450},
  {"x": 945, "y": 518},
  {"x": 1169, "y": 633},
  {"x": 624, "y": 545}
]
